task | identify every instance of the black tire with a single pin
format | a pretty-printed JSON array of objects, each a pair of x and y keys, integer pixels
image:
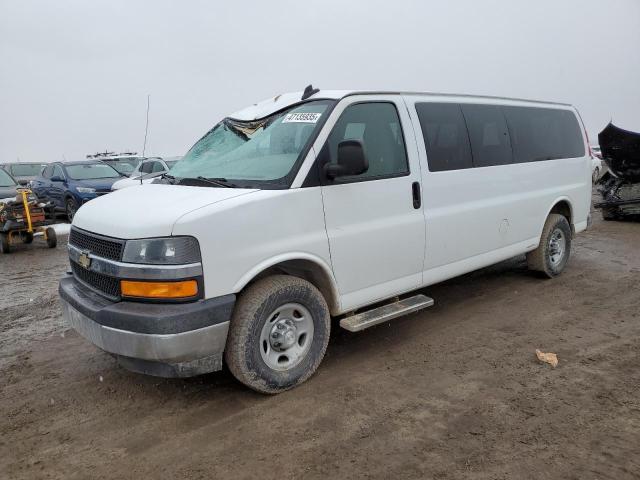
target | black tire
[
  {"x": 70, "y": 208},
  {"x": 52, "y": 238},
  {"x": 253, "y": 310},
  {"x": 609, "y": 213},
  {"x": 545, "y": 259},
  {"x": 27, "y": 237},
  {"x": 5, "y": 245}
]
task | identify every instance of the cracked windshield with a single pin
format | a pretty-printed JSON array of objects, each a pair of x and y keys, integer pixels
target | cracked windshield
[{"x": 253, "y": 153}]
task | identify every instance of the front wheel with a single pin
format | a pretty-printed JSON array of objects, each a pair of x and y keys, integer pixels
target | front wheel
[
  {"x": 71, "y": 208},
  {"x": 52, "y": 238},
  {"x": 552, "y": 254},
  {"x": 278, "y": 334},
  {"x": 5, "y": 243}
]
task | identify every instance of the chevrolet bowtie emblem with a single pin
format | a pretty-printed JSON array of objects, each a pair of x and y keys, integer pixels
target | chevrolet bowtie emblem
[{"x": 84, "y": 259}]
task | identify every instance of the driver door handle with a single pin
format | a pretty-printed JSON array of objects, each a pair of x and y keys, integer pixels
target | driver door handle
[{"x": 415, "y": 190}]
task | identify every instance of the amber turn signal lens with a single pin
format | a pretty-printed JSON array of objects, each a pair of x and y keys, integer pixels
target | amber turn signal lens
[{"x": 184, "y": 289}]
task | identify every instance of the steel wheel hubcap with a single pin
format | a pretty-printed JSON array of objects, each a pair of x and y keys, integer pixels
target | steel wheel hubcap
[
  {"x": 557, "y": 246},
  {"x": 286, "y": 336}
]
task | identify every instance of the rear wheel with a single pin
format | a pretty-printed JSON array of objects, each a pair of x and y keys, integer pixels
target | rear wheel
[
  {"x": 552, "y": 254},
  {"x": 71, "y": 208},
  {"x": 52, "y": 238},
  {"x": 5, "y": 245},
  {"x": 27, "y": 237},
  {"x": 278, "y": 334}
]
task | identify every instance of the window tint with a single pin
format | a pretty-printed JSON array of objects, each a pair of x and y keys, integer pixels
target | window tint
[
  {"x": 445, "y": 136},
  {"x": 377, "y": 126},
  {"x": 543, "y": 133},
  {"x": 488, "y": 134},
  {"x": 57, "y": 172}
]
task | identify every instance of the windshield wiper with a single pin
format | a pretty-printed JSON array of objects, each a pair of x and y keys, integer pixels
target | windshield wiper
[{"x": 218, "y": 182}]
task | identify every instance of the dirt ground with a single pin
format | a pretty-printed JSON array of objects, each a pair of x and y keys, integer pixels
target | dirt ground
[{"x": 452, "y": 392}]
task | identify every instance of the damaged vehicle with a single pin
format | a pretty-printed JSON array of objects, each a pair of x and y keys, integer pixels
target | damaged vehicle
[
  {"x": 620, "y": 187},
  {"x": 317, "y": 205}
]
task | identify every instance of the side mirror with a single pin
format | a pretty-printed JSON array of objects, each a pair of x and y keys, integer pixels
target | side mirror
[
  {"x": 351, "y": 160},
  {"x": 57, "y": 179}
]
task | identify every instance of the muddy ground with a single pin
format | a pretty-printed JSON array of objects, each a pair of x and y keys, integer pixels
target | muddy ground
[{"x": 451, "y": 392}]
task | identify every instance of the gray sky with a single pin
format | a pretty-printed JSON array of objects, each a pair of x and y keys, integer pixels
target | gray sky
[{"x": 74, "y": 75}]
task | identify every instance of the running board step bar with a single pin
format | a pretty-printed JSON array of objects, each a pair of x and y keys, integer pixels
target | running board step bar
[{"x": 356, "y": 323}]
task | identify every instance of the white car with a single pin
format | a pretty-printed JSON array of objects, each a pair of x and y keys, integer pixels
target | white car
[
  {"x": 147, "y": 171},
  {"x": 315, "y": 205},
  {"x": 596, "y": 163}
]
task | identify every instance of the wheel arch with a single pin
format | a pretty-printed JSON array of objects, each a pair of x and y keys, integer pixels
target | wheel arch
[
  {"x": 564, "y": 207},
  {"x": 302, "y": 265}
]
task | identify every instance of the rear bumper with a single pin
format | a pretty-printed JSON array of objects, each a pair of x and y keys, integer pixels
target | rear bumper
[{"x": 168, "y": 340}]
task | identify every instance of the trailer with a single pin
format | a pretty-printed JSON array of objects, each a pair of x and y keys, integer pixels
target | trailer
[{"x": 22, "y": 217}]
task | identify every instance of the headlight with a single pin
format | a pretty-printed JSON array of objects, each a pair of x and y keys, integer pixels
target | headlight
[
  {"x": 86, "y": 190},
  {"x": 162, "y": 251}
]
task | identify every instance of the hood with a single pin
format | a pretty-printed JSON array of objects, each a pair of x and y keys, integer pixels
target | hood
[
  {"x": 147, "y": 210},
  {"x": 133, "y": 182},
  {"x": 621, "y": 151},
  {"x": 100, "y": 184}
]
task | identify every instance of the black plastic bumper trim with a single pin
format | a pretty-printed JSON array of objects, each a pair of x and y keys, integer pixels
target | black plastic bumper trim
[{"x": 152, "y": 318}]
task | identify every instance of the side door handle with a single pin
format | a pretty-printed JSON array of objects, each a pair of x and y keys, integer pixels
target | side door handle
[{"x": 415, "y": 190}]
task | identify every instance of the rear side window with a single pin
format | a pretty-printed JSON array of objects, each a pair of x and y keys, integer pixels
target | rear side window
[
  {"x": 48, "y": 171},
  {"x": 543, "y": 134},
  {"x": 490, "y": 144},
  {"x": 445, "y": 136}
]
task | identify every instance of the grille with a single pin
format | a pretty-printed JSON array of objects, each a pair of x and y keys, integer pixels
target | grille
[
  {"x": 110, "y": 286},
  {"x": 98, "y": 245}
]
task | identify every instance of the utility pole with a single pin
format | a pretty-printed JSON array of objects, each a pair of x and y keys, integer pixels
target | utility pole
[{"x": 146, "y": 128}]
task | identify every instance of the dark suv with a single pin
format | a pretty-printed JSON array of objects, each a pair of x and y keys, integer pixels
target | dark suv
[{"x": 70, "y": 184}]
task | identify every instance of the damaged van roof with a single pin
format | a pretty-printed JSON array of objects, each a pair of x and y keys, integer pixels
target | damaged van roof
[
  {"x": 277, "y": 103},
  {"x": 274, "y": 104}
]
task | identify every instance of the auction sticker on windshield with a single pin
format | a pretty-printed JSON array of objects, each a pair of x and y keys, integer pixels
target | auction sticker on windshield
[{"x": 301, "y": 117}]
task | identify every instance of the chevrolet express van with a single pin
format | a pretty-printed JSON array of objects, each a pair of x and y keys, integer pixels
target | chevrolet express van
[{"x": 315, "y": 205}]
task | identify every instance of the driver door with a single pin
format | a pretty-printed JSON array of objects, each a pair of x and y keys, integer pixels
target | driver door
[{"x": 375, "y": 222}]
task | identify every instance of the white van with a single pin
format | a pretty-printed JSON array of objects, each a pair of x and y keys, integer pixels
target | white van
[{"x": 315, "y": 205}]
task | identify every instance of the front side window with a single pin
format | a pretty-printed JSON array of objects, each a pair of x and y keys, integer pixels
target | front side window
[
  {"x": 157, "y": 167},
  {"x": 57, "y": 172},
  {"x": 146, "y": 167},
  {"x": 445, "y": 136},
  {"x": 377, "y": 126},
  {"x": 5, "y": 179},
  {"x": 91, "y": 171},
  {"x": 262, "y": 153}
]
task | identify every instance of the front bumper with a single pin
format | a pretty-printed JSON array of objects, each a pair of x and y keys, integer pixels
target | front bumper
[{"x": 167, "y": 340}]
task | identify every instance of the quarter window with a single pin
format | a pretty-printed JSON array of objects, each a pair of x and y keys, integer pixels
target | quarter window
[
  {"x": 445, "y": 136},
  {"x": 377, "y": 126},
  {"x": 543, "y": 134}
]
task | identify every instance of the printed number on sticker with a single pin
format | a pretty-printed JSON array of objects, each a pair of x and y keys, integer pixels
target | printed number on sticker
[{"x": 301, "y": 118}]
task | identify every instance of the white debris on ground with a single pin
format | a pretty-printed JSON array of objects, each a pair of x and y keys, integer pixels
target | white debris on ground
[
  {"x": 60, "y": 228},
  {"x": 550, "y": 358}
]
